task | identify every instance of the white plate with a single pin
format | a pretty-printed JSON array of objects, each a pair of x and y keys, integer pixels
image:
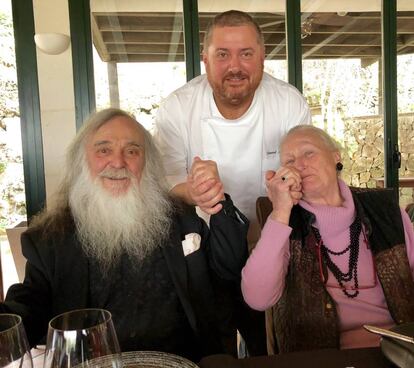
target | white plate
[{"x": 145, "y": 359}]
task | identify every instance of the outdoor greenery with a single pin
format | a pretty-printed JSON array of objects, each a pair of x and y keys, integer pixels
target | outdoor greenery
[
  {"x": 342, "y": 93},
  {"x": 12, "y": 199}
]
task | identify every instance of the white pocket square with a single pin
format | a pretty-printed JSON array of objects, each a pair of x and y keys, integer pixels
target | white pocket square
[{"x": 191, "y": 243}]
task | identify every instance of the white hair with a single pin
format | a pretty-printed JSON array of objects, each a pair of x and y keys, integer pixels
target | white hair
[
  {"x": 135, "y": 222},
  {"x": 330, "y": 143}
]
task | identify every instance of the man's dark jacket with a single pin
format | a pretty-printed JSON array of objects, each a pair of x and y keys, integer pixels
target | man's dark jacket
[{"x": 57, "y": 275}]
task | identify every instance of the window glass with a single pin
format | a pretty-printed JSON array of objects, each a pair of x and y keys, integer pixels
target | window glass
[
  {"x": 342, "y": 78},
  {"x": 138, "y": 54},
  {"x": 405, "y": 88},
  {"x": 12, "y": 194},
  {"x": 270, "y": 15}
]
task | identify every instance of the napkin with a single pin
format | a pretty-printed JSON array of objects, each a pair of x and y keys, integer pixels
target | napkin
[{"x": 191, "y": 243}]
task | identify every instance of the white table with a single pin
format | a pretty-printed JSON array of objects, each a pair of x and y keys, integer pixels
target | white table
[{"x": 37, "y": 356}]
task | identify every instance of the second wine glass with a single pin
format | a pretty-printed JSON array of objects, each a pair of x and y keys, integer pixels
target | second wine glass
[{"x": 82, "y": 338}]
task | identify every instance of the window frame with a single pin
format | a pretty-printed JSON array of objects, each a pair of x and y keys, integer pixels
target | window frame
[
  {"x": 29, "y": 106},
  {"x": 79, "y": 13}
]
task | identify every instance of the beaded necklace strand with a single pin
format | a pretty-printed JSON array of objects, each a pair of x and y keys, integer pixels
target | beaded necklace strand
[{"x": 353, "y": 249}]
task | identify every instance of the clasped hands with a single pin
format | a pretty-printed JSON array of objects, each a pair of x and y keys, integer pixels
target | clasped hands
[
  {"x": 206, "y": 190},
  {"x": 204, "y": 186},
  {"x": 284, "y": 189}
]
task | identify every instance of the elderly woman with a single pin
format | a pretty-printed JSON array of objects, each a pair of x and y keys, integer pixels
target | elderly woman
[{"x": 330, "y": 258}]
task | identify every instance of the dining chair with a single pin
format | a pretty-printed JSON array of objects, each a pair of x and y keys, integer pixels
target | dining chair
[
  {"x": 410, "y": 211},
  {"x": 1, "y": 280},
  {"x": 263, "y": 209}
]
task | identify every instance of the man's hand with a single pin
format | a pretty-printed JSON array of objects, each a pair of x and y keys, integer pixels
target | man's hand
[{"x": 204, "y": 186}]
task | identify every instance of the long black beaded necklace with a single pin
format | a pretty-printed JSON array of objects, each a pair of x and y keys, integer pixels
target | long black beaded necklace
[{"x": 353, "y": 248}]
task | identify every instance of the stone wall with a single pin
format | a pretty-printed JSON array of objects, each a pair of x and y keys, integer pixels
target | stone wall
[{"x": 363, "y": 155}]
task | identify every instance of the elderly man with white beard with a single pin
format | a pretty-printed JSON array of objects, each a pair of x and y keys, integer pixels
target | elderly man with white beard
[{"x": 114, "y": 239}]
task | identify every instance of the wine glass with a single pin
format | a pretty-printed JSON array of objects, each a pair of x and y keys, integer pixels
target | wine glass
[
  {"x": 82, "y": 338},
  {"x": 14, "y": 348}
]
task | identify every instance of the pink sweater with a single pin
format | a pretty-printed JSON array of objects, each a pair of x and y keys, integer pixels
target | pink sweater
[{"x": 263, "y": 277}]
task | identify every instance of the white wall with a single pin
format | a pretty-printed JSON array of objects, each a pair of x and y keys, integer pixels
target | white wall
[{"x": 56, "y": 91}]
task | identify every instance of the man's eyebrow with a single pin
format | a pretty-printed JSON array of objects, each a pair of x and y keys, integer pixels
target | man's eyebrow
[
  {"x": 106, "y": 142},
  {"x": 135, "y": 144},
  {"x": 241, "y": 50},
  {"x": 101, "y": 143}
]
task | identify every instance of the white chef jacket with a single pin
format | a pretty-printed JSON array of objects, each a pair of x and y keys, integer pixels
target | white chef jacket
[{"x": 188, "y": 124}]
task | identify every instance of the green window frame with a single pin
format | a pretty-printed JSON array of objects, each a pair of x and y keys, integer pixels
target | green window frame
[
  {"x": 29, "y": 105},
  {"x": 79, "y": 12}
]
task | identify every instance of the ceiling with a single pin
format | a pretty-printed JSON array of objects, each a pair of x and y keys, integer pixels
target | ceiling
[{"x": 158, "y": 37}]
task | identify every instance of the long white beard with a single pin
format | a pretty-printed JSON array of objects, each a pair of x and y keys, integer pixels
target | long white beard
[{"x": 135, "y": 222}]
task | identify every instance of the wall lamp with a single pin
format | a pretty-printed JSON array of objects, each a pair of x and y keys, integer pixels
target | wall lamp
[{"x": 52, "y": 43}]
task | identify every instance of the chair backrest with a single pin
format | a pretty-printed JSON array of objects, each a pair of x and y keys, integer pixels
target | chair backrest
[
  {"x": 410, "y": 210},
  {"x": 263, "y": 209},
  {"x": 1, "y": 281},
  {"x": 13, "y": 235}
]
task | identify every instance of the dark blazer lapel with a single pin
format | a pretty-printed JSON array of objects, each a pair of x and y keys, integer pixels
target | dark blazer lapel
[
  {"x": 174, "y": 257},
  {"x": 72, "y": 268}
]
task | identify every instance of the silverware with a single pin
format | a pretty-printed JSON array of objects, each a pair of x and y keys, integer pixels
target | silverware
[{"x": 388, "y": 333}]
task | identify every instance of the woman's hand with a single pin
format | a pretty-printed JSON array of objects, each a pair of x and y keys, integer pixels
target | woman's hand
[{"x": 284, "y": 191}]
